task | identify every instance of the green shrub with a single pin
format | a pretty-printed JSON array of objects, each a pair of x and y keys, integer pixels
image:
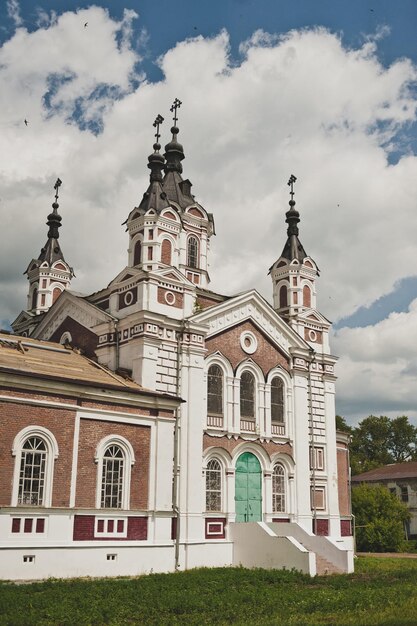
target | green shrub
[{"x": 380, "y": 519}]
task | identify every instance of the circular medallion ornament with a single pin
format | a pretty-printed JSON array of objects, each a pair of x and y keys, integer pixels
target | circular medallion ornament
[
  {"x": 169, "y": 297},
  {"x": 248, "y": 342},
  {"x": 312, "y": 335},
  {"x": 128, "y": 298}
]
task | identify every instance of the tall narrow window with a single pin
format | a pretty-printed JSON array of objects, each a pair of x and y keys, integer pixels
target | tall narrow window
[
  {"x": 192, "y": 252},
  {"x": 32, "y": 472},
  {"x": 213, "y": 486},
  {"x": 283, "y": 298},
  {"x": 247, "y": 395},
  {"x": 307, "y": 296},
  {"x": 277, "y": 400},
  {"x": 166, "y": 252},
  {"x": 34, "y": 298},
  {"x": 215, "y": 390},
  {"x": 278, "y": 489},
  {"x": 112, "y": 478},
  {"x": 137, "y": 255},
  {"x": 55, "y": 294}
]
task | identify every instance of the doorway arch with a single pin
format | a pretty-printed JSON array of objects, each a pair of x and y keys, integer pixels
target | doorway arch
[{"x": 248, "y": 488}]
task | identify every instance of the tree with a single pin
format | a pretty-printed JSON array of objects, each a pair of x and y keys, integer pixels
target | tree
[
  {"x": 342, "y": 425},
  {"x": 402, "y": 440},
  {"x": 378, "y": 441},
  {"x": 379, "y": 519}
]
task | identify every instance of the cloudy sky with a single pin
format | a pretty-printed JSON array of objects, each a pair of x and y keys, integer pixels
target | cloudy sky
[{"x": 325, "y": 90}]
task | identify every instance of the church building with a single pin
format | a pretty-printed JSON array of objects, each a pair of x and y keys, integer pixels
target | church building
[{"x": 257, "y": 474}]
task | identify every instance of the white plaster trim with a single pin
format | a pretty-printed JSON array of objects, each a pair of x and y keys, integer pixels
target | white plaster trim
[
  {"x": 74, "y": 460},
  {"x": 129, "y": 460}
]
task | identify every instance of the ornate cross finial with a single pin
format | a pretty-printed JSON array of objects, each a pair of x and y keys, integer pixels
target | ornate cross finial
[
  {"x": 56, "y": 187},
  {"x": 291, "y": 184},
  {"x": 158, "y": 121},
  {"x": 175, "y": 106}
]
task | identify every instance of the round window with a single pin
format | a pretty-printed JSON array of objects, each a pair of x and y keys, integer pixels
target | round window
[{"x": 248, "y": 342}]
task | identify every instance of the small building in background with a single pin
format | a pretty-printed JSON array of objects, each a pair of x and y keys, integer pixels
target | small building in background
[{"x": 401, "y": 480}]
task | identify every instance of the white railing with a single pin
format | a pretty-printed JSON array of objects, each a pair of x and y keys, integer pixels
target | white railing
[
  {"x": 248, "y": 425},
  {"x": 278, "y": 429},
  {"x": 215, "y": 421}
]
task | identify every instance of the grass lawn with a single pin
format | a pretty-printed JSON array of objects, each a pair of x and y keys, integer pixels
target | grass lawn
[{"x": 382, "y": 592}]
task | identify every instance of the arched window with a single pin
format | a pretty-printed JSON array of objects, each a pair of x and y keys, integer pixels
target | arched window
[
  {"x": 307, "y": 296},
  {"x": 247, "y": 395},
  {"x": 277, "y": 400},
  {"x": 215, "y": 390},
  {"x": 32, "y": 473},
  {"x": 213, "y": 486},
  {"x": 278, "y": 489},
  {"x": 112, "y": 477},
  {"x": 166, "y": 250},
  {"x": 192, "y": 252},
  {"x": 137, "y": 254},
  {"x": 34, "y": 298},
  {"x": 283, "y": 301},
  {"x": 55, "y": 294}
]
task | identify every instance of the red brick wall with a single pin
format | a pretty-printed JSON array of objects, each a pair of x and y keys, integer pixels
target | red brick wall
[
  {"x": 83, "y": 530},
  {"x": 322, "y": 527},
  {"x": 91, "y": 433},
  {"x": 345, "y": 528},
  {"x": 205, "y": 302},
  {"x": 266, "y": 356},
  {"x": 179, "y": 298},
  {"x": 13, "y": 418},
  {"x": 82, "y": 337},
  {"x": 343, "y": 481},
  {"x": 230, "y": 444}
]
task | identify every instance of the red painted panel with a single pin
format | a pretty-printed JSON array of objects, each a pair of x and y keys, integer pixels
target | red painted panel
[
  {"x": 215, "y": 528},
  {"x": 40, "y": 525},
  {"x": 16, "y": 525},
  {"x": 100, "y": 526},
  {"x": 28, "y": 525},
  {"x": 322, "y": 527},
  {"x": 345, "y": 528},
  {"x": 83, "y": 528},
  {"x": 281, "y": 520},
  {"x": 110, "y": 525},
  {"x": 174, "y": 527},
  {"x": 120, "y": 525},
  {"x": 137, "y": 528}
]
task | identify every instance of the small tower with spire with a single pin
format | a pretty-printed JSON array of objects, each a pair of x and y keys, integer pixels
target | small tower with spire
[
  {"x": 294, "y": 282},
  {"x": 170, "y": 228},
  {"x": 49, "y": 275}
]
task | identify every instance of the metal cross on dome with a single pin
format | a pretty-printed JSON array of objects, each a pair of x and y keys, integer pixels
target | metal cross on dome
[
  {"x": 56, "y": 187},
  {"x": 291, "y": 184},
  {"x": 158, "y": 121},
  {"x": 175, "y": 106}
]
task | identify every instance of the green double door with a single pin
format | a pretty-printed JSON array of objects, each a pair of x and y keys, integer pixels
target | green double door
[{"x": 248, "y": 489}]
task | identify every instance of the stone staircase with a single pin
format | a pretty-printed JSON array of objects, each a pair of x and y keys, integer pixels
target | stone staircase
[{"x": 325, "y": 568}]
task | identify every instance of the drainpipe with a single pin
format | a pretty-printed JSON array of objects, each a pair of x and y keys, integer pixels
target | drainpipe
[
  {"x": 177, "y": 430},
  {"x": 312, "y": 441},
  {"x": 116, "y": 332}
]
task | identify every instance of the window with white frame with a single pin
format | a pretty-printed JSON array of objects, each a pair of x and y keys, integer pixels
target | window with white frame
[
  {"x": 192, "y": 252},
  {"x": 213, "y": 486},
  {"x": 247, "y": 395},
  {"x": 278, "y": 489},
  {"x": 317, "y": 458},
  {"x": 32, "y": 473},
  {"x": 35, "y": 450},
  {"x": 112, "y": 476},
  {"x": 114, "y": 458},
  {"x": 277, "y": 400},
  {"x": 215, "y": 390}
]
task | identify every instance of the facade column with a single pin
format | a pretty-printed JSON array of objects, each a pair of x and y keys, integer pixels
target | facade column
[{"x": 331, "y": 460}]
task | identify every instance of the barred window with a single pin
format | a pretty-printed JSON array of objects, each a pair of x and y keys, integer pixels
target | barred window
[
  {"x": 278, "y": 489},
  {"x": 215, "y": 390},
  {"x": 192, "y": 252},
  {"x": 112, "y": 478},
  {"x": 32, "y": 472},
  {"x": 213, "y": 486},
  {"x": 277, "y": 400},
  {"x": 247, "y": 395}
]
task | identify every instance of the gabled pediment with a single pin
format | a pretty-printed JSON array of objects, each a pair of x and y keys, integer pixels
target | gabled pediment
[
  {"x": 128, "y": 273},
  {"x": 171, "y": 273},
  {"x": 70, "y": 305},
  {"x": 314, "y": 316},
  {"x": 251, "y": 306}
]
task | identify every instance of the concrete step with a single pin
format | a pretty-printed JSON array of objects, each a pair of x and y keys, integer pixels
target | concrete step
[{"x": 325, "y": 568}]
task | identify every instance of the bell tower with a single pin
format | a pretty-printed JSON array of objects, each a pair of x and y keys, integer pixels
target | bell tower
[{"x": 294, "y": 276}]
